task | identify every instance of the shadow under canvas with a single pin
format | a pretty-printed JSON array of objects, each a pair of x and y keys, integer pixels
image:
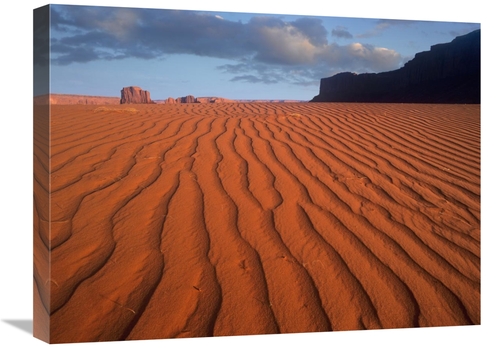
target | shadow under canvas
[{"x": 25, "y": 325}]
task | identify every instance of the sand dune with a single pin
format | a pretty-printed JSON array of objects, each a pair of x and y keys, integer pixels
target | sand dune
[{"x": 234, "y": 219}]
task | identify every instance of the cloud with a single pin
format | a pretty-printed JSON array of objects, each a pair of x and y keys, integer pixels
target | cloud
[
  {"x": 144, "y": 33},
  {"x": 41, "y": 36},
  {"x": 313, "y": 29},
  {"x": 382, "y": 25},
  {"x": 372, "y": 58},
  {"x": 255, "y": 79},
  {"x": 341, "y": 33},
  {"x": 77, "y": 55},
  {"x": 281, "y": 43},
  {"x": 266, "y": 49}
]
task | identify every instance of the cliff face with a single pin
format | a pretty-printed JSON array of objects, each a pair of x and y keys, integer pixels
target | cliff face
[
  {"x": 134, "y": 95},
  {"x": 448, "y": 73}
]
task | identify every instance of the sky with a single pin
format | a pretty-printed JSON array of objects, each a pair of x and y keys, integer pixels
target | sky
[{"x": 235, "y": 55}]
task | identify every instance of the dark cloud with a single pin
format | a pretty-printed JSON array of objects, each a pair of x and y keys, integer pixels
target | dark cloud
[
  {"x": 41, "y": 37},
  {"x": 239, "y": 68},
  {"x": 78, "y": 55},
  {"x": 313, "y": 29},
  {"x": 255, "y": 79},
  {"x": 133, "y": 32},
  {"x": 341, "y": 33},
  {"x": 263, "y": 73},
  {"x": 266, "y": 49}
]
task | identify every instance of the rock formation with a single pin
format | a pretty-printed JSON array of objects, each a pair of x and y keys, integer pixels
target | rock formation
[
  {"x": 192, "y": 99},
  {"x": 135, "y": 95},
  {"x": 186, "y": 99},
  {"x": 448, "y": 73},
  {"x": 211, "y": 100}
]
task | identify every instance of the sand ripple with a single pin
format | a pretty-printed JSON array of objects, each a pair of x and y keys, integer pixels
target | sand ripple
[{"x": 233, "y": 219}]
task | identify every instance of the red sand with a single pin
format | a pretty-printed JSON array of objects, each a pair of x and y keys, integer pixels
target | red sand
[{"x": 235, "y": 219}]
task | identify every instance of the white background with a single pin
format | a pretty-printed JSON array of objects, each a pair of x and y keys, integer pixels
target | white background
[{"x": 16, "y": 171}]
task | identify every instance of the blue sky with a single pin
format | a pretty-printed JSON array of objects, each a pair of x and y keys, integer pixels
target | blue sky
[{"x": 173, "y": 53}]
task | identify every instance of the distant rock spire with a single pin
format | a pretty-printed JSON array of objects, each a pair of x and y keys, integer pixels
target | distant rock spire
[{"x": 135, "y": 95}]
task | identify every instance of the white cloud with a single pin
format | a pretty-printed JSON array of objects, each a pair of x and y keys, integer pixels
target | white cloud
[
  {"x": 286, "y": 45},
  {"x": 360, "y": 58}
]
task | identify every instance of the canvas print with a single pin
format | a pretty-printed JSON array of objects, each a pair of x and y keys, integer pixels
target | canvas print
[{"x": 203, "y": 174}]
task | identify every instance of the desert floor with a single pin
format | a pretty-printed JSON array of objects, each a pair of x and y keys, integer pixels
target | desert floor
[{"x": 233, "y": 219}]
